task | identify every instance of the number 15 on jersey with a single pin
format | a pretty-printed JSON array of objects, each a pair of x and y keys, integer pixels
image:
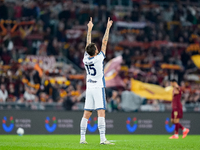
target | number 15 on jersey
[{"x": 91, "y": 70}]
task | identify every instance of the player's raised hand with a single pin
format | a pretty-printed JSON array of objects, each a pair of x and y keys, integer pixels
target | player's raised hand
[
  {"x": 90, "y": 24},
  {"x": 109, "y": 24}
]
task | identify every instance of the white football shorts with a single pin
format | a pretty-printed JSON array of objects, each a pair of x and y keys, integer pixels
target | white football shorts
[{"x": 95, "y": 99}]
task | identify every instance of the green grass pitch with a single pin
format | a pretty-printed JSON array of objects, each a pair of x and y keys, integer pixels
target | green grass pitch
[{"x": 70, "y": 142}]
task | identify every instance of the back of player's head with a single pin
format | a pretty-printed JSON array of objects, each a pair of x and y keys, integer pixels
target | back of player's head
[
  {"x": 173, "y": 80},
  {"x": 91, "y": 49}
]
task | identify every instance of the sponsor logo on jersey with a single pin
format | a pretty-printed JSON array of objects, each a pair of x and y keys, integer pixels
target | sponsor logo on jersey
[
  {"x": 129, "y": 127},
  {"x": 94, "y": 127},
  {"x": 91, "y": 81},
  {"x": 48, "y": 127},
  {"x": 167, "y": 127},
  {"x": 10, "y": 127}
]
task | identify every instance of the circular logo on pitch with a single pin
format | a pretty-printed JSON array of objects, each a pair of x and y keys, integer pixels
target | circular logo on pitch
[
  {"x": 167, "y": 127},
  {"x": 128, "y": 124},
  {"x": 8, "y": 128},
  {"x": 94, "y": 127},
  {"x": 52, "y": 127}
]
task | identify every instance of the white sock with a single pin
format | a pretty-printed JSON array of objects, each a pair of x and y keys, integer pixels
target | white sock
[
  {"x": 83, "y": 127},
  {"x": 184, "y": 129},
  {"x": 176, "y": 134},
  {"x": 102, "y": 128}
]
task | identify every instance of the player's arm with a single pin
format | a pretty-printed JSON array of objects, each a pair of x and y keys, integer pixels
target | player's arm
[
  {"x": 176, "y": 90},
  {"x": 89, "y": 32},
  {"x": 106, "y": 36}
]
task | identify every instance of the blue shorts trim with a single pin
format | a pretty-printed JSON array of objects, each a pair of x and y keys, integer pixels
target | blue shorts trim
[
  {"x": 100, "y": 108},
  {"x": 89, "y": 109},
  {"x": 104, "y": 98}
]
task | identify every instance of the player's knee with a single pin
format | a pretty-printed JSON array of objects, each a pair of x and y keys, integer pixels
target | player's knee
[
  {"x": 87, "y": 114},
  {"x": 101, "y": 113},
  {"x": 176, "y": 120},
  {"x": 172, "y": 120}
]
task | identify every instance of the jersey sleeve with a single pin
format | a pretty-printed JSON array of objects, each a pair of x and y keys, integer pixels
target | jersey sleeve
[
  {"x": 101, "y": 55},
  {"x": 85, "y": 55}
]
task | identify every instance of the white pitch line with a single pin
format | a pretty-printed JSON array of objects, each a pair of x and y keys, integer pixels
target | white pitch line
[{"x": 119, "y": 140}]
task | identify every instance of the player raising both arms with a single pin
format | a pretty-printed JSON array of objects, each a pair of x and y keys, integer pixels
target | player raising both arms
[
  {"x": 177, "y": 111},
  {"x": 95, "y": 86}
]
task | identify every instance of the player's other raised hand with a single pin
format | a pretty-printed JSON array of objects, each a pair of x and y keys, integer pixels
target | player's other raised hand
[
  {"x": 90, "y": 24},
  {"x": 110, "y": 22}
]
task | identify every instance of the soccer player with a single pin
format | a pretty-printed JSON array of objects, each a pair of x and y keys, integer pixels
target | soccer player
[
  {"x": 95, "y": 86},
  {"x": 177, "y": 111}
]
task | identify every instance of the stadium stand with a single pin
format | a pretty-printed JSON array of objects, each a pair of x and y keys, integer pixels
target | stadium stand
[{"x": 42, "y": 46}]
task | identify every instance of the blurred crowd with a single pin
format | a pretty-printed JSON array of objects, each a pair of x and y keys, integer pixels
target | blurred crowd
[{"x": 146, "y": 34}]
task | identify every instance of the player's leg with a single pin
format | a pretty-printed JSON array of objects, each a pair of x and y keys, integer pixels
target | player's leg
[
  {"x": 89, "y": 106},
  {"x": 185, "y": 131},
  {"x": 83, "y": 125},
  {"x": 177, "y": 122},
  {"x": 176, "y": 115},
  {"x": 173, "y": 119},
  {"x": 101, "y": 124},
  {"x": 100, "y": 106}
]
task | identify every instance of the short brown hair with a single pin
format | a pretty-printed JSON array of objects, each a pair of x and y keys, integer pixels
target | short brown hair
[
  {"x": 173, "y": 80},
  {"x": 90, "y": 49}
]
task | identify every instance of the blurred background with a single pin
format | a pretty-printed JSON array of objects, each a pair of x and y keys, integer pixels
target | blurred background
[{"x": 42, "y": 44}]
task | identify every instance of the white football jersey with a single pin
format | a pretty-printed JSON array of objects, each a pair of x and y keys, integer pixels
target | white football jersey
[{"x": 95, "y": 70}]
